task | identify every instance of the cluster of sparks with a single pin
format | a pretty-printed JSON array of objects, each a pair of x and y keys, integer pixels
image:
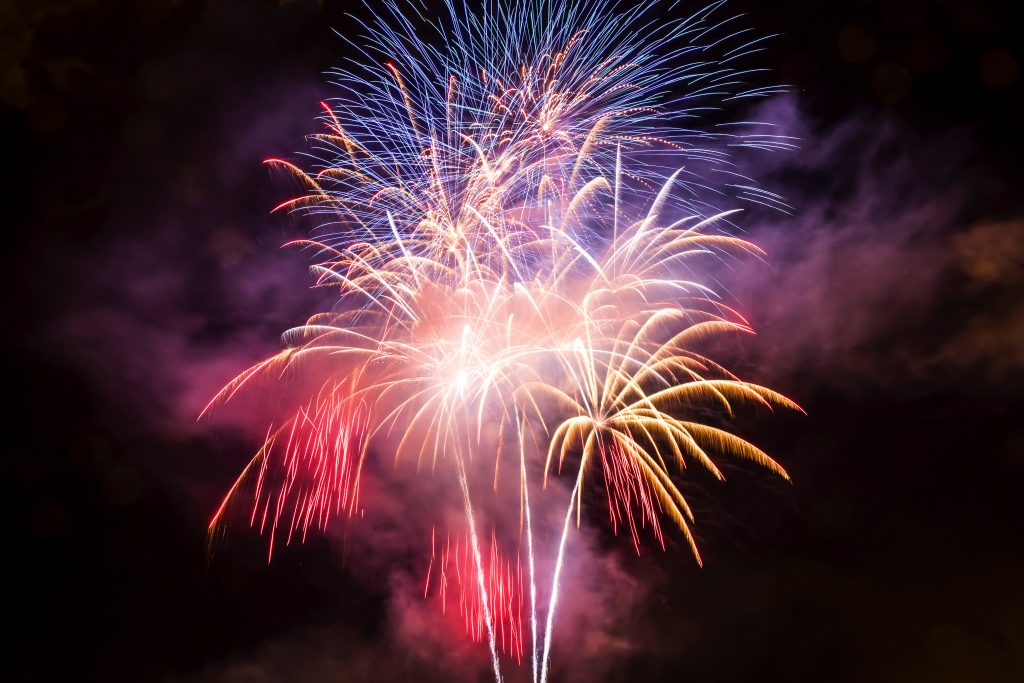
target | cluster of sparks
[
  {"x": 514, "y": 221},
  {"x": 452, "y": 574}
]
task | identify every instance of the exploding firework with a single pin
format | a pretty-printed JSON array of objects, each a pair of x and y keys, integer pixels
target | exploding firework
[{"x": 514, "y": 216}]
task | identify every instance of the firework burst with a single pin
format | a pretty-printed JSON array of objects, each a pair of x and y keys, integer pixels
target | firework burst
[{"x": 514, "y": 216}]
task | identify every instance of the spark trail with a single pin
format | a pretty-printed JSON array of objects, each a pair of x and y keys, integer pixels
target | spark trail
[
  {"x": 529, "y": 548},
  {"x": 485, "y": 603}
]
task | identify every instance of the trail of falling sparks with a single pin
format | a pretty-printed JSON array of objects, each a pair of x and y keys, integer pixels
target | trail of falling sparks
[
  {"x": 559, "y": 560},
  {"x": 485, "y": 601},
  {"x": 452, "y": 570},
  {"x": 529, "y": 547},
  {"x": 514, "y": 220}
]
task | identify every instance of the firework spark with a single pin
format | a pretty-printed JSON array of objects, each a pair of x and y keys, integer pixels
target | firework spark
[
  {"x": 452, "y": 574},
  {"x": 514, "y": 216}
]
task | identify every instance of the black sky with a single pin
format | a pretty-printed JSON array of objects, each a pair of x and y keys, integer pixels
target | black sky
[{"x": 138, "y": 242}]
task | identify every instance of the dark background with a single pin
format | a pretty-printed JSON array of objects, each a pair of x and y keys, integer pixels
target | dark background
[{"x": 136, "y": 203}]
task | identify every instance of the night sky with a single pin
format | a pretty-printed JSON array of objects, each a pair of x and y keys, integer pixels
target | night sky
[{"x": 143, "y": 269}]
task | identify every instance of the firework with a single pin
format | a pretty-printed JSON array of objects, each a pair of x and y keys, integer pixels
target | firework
[{"x": 514, "y": 217}]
